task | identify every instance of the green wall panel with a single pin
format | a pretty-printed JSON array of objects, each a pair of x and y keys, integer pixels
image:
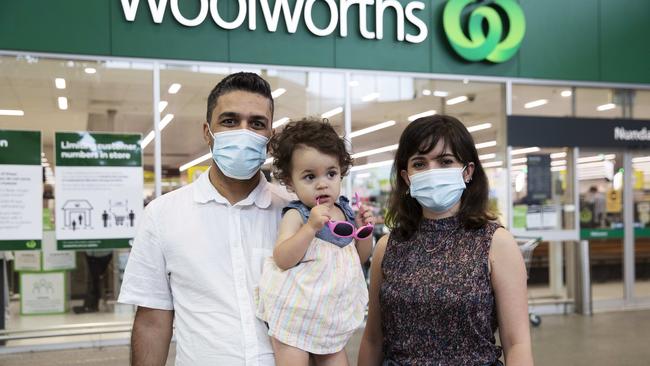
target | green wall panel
[
  {"x": 561, "y": 40},
  {"x": 625, "y": 40},
  {"x": 282, "y": 48},
  {"x": 388, "y": 53},
  {"x": 170, "y": 39},
  {"x": 446, "y": 61},
  {"x": 70, "y": 26}
]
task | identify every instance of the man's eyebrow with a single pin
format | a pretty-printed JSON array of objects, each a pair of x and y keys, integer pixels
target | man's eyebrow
[{"x": 236, "y": 115}]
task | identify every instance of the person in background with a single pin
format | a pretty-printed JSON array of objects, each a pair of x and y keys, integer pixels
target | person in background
[
  {"x": 447, "y": 277},
  {"x": 96, "y": 263}
]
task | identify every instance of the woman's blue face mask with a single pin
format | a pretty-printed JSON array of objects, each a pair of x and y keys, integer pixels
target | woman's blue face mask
[{"x": 438, "y": 189}]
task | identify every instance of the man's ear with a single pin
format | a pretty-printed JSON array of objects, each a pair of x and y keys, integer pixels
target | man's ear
[{"x": 207, "y": 137}]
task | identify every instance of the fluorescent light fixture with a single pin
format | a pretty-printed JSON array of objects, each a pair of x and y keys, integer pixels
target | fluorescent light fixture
[
  {"x": 525, "y": 151},
  {"x": 280, "y": 122},
  {"x": 11, "y": 112},
  {"x": 145, "y": 141},
  {"x": 641, "y": 159},
  {"x": 440, "y": 93},
  {"x": 426, "y": 92},
  {"x": 606, "y": 107},
  {"x": 558, "y": 168},
  {"x": 420, "y": 115},
  {"x": 63, "y": 103},
  {"x": 493, "y": 164},
  {"x": 90, "y": 70},
  {"x": 487, "y": 156},
  {"x": 375, "y": 151},
  {"x": 566, "y": 93},
  {"x": 519, "y": 160},
  {"x": 482, "y": 126},
  {"x": 559, "y": 155},
  {"x": 192, "y": 163},
  {"x": 174, "y": 88},
  {"x": 161, "y": 106},
  {"x": 354, "y": 83},
  {"x": 600, "y": 157},
  {"x": 362, "y": 175},
  {"x": 332, "y": 113},
  {"x": 374, "y": 128},
  {"x": 278, "y": 92},
  {"x": 371, "y": 165},
  {"x": 558, "y": 162},
  {"x": 457, "y": 100},
  {"x": 535, "y": 103},
  {"x": 59, "y": 83},
  {"x": 483, "y": 145},
  {"x": 519, "y": 167},
  {"x": 165, "y": 121},
  {"x": 370, "y": 97}
]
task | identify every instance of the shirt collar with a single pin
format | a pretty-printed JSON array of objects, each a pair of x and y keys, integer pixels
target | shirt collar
[{"x": 205, "y": 192}]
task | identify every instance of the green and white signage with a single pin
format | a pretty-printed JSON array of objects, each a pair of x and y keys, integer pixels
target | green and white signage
[
  {"x": 21, "y": 190},
  {"x": 99, "y": 185},
  {"x": 42, "y": 293}
]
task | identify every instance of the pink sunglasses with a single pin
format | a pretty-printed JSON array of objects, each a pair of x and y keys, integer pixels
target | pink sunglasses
[{"x": 344, "y": 229}]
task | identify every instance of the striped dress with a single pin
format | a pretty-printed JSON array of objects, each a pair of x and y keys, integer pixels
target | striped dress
[{"x": 318, "y": 304}]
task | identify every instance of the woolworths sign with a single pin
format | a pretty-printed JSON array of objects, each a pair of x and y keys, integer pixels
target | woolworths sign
[{"x": 474, "y": 29}]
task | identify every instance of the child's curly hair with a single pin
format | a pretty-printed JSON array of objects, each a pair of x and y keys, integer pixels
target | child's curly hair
[{"x": 311, "y": 132}]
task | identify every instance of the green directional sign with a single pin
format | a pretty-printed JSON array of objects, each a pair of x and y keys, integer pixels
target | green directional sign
[{"x": 479, "y": 43}]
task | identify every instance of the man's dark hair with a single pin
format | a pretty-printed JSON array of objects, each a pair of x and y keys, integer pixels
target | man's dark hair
[
  {"x": 244, "y": 81},
  {"x": 310, "y": 132}
]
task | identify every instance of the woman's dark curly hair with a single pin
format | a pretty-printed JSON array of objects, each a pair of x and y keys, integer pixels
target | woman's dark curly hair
[{"x": 311, "y": 132}]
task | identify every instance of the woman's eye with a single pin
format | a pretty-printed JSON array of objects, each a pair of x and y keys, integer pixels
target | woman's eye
[
  {"x": 447, "y": 162},
  {"x": 418, "y": 165}
]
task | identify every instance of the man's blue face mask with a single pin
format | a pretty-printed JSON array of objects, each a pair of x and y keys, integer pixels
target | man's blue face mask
[{"x": 239, "y": 154}]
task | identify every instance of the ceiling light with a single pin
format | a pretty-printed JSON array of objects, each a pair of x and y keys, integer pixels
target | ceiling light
[
  {"x": 426, "y": 92},
  {"x": 375, "y": 151},
  {"x": 174, "y": 88},
  {"x": 420, "y": 115},
  {"x": 280, "y": 122},
  {"x": 492, "y": 164},
  {"x": 166, "y": 120},
  {"x": 147, "y": 139},
  {"x": 457, "y": 100},
  {"x": 161, "y": 106},
  {"x": 374, "y": 128},
  {"x": 371, "y": 165},
  {"x": 332, "y": 113},
  {"x": 278, "y": 92},
  {"x": 370, "y": 97},
  {"x": 599, "y": 157},
  {"x": 519, "y": 161},
  {"x": 192, "y": 163},
  {"x": 90, "y": 70},
  {"x": 525, "y": 151},
  {"x": 558, "y": 162},
  {"x": 558, "y": 168},
  {"x": 59, "y": 83},
  {"x": 641, "y": 159},
  {"x": 63, "y": 103},
  {"x": 485, "y": 144},
  {"x": 482, "y": 126},
  {"x": 535, "y": 103},
  {"x": 566, "y": 93},
  {"x": 606, "y": 107},
  {"x": 11, "y": 112},
  {"x": 487, "y": 156},
  {"x": 440, "y": 93},
  {"x": 559, "y": 155}
]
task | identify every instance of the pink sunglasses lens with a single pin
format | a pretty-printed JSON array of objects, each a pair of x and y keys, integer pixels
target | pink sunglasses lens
[
  {"x": 364, "y": 232},
  {"x": 343, "y": 230}
]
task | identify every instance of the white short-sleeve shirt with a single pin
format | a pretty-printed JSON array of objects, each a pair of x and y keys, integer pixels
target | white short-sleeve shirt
[{"x": 200, "y": 256}]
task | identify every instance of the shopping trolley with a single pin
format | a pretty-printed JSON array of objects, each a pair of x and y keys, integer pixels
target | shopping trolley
[{"x": 527, "y": 245}]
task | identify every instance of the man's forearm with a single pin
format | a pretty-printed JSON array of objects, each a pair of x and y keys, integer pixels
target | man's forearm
[{"x": 150, "y": 338}]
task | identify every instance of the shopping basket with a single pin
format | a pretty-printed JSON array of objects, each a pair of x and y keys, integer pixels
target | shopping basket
[{"x": 527, "y": 245}]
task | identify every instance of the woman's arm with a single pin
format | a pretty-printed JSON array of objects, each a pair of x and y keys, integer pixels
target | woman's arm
[
  {"x": 294, "y": 236},
  {"x": 508, "y": 274},
  {"x": 370, "y": 352}
]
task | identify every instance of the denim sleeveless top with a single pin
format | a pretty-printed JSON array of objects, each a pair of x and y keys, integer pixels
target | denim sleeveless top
[{"x": 325, "y": 234}]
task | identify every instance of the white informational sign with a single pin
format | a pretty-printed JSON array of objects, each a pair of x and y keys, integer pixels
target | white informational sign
[
  {"x": 42, "y": 293},
  {"x": 54, "y": 259},
  {"x": 27, "y": 260},
  {"x": 21, "y": 190},
  {"x": 99, "y": 185}
]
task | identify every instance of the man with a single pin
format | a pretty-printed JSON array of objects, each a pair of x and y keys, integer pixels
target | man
[{"x": 197, "y": 256}]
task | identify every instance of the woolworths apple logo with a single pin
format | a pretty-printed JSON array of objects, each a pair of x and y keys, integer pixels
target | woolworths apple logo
[{"x": 480, "y": 46}]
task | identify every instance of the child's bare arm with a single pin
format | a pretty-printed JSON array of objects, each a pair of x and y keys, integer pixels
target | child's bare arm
[{"x": 294, "y": 237}]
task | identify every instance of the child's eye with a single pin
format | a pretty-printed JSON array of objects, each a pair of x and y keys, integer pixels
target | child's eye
[
  {"x": 308, "y": 177},
  {"x": 332, "y": 174}
]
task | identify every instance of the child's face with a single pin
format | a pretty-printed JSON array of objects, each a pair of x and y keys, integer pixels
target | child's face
[{"x": 315, "y": 175}]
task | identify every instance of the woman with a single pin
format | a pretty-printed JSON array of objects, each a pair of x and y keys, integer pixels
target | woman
[{"x": 447, "y": 276}]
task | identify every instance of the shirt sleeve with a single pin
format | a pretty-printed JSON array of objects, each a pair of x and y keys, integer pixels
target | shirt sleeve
[{"x": 146, "y": 282}]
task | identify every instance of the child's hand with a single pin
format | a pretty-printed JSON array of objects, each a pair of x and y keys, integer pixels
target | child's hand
[
  {"x": 319, "y": 216},
  {"x": 364, "y": 216}
]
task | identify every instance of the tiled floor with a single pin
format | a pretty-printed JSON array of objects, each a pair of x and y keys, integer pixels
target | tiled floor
[{"x": 606, "y": 339}]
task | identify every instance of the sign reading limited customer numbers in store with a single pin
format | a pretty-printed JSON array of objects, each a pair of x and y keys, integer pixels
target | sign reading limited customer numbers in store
[
  {"x": 98, "y": 189},
  {"x": 21, "y": 190}
]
